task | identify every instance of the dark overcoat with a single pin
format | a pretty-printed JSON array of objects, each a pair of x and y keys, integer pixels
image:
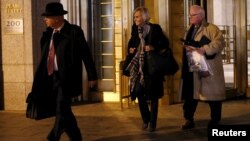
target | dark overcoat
[
  {"x": 71, "y": 49},
  {"x": 157, "y": 39}
]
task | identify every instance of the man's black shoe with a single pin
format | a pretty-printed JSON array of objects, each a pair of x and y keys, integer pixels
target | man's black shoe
[{"x": 188, "y": 125}]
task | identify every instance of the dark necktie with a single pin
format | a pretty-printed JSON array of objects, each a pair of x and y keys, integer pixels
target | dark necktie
[
  {"x": 51, "y": 56},
  {"x": 194, "y": 31}
]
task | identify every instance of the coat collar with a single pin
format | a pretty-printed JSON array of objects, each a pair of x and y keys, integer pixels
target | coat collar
[
  {"x": 65, "y": 30},
  {"x": 204, "y": 24}
]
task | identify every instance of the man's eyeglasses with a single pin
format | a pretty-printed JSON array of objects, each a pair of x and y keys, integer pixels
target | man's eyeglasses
[{"x": 193, "y": 15}]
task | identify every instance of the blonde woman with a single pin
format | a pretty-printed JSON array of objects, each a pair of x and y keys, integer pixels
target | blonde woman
[{"x": 145, "y": 38}]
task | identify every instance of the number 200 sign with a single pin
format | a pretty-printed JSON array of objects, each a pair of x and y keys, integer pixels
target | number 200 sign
[{"x": 13, "y": 26}]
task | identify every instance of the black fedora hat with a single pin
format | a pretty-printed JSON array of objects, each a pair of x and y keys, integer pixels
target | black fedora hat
[{"x": 54, "y": 9}]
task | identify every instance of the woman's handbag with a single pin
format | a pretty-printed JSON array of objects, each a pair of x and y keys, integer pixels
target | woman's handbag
[
  {"x": 162, "y": 63},
  {"x": 124, "y": 64}
]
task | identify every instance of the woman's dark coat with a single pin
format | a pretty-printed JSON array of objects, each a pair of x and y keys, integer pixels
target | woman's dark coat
[{"x": 157, "y": 39}]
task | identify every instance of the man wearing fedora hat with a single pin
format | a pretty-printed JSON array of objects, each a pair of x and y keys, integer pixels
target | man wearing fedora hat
[{"x": 65, "y": 45}]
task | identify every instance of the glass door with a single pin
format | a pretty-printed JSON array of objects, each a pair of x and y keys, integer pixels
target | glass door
[
  {"x": 227, "y": 26},
  {"x": 103, "y": 42},
  {"x": 230, "y": 17},
  {"x": 248, "y": 40}
]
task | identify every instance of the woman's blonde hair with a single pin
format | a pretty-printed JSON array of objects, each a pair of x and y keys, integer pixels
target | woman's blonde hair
[{"x": 144, "y": 12}]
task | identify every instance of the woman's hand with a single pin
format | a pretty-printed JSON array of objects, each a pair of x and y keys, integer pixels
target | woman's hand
[
  {"x": 132, "y": 50},
  {"x": 148, "y": 48}
]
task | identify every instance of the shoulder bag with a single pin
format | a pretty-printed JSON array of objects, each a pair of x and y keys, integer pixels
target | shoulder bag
[{"x": 162, "y": 63}]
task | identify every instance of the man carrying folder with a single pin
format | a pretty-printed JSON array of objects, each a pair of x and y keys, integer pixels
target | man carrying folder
[{"x": 195, "y": 86}]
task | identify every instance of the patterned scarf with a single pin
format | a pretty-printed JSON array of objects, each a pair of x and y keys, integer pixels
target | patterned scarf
[{"x": 137, "y": 63}]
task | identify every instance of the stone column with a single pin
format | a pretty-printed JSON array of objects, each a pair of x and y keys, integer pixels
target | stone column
[
  {"x": 21, "y": 28},
  {"x": 16, "y": 52}
]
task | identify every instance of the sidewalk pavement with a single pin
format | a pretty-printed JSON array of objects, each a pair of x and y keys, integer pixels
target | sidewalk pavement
[{"x": 108, "y": 122}]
